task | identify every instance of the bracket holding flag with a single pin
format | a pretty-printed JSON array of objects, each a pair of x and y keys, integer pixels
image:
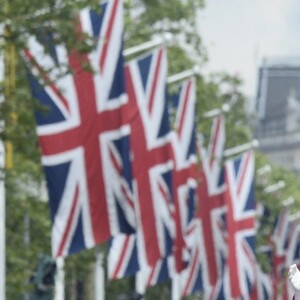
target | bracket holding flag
[
  {"x": 274, "y": 187},
  {"x": 242, "y": 148},
  {"x": 289, "y": 201},
  {"x": 264, "y": 170},
  {"x": 184, "y": 75},
  {"x": 165, "y": 38},
  {"x": 217, "y": 111}
]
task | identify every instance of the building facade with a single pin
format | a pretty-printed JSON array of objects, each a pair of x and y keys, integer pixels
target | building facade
[{"x": 278, "y": 111}]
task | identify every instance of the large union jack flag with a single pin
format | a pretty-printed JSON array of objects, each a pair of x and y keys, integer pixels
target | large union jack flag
[
  {"x": 152, "y": 162},
  {"x": 152, "y": 166},
  {"x": 211, "y": 205},
  {"x": 83, "y": 135},
  {"x": 239, "y": 197}
]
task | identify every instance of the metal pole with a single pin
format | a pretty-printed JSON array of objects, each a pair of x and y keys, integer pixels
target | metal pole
[
  {"x": 99, "y": 277},
  {"x": 184, "y": 75},
  {"x": 164, "y": 39},
  {"x": 176, "y": 287},
  {"x": 274, "y": 187},
  {"x": 217, "y": 111},
  {"x": 241, "y": 148},
  {"x": 140, "y": 283},
  {"x": 289, "y": 201},
  {"x": 264, "y": 170},
  {"x": 60, "y": 279}
]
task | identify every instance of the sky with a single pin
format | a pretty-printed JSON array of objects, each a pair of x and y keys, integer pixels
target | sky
[{"x": 238, "y": 34}]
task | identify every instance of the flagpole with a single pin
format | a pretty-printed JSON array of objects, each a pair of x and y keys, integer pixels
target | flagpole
[
  {"x": 60, "y": 279},
  {"x": 217, "y": 111},
  {"x": 166, "y": 38},
  {"x": 242, "y": 148},
  {"x": 184, "y": 75},
  {"x": 99, "y": 283},
  {"x": 140, "y": 283}
]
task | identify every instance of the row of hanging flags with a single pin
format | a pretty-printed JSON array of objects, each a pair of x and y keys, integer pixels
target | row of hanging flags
[{"x": 118, "y": 168}]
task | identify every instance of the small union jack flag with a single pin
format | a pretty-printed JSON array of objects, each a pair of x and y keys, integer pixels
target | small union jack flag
[
  {"x": 280, "y": 240},
  {"x": 240, "y": 218},
  {"x": 184, "y": 183},
  {"x": 83, "y": 135},
  {"x": 184, "y": 179},
  {"x": 211, "y": 205}
]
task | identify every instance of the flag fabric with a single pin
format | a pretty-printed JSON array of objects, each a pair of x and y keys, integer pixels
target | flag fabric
[
  {"x": 184, "y": 178},
  {"x": 152, "y": 172},
  {"x": 191, "y": 279},
  {"x": 240, "y": 218},
  {"x": 184, "y": 181},
  {"x": 184, "y": 184},
  {"x": 168, "y": 267},
  {"x": 205, "y": 231},
  {"x": 83, "y": 134},
  {"x": 293, "y": 250},
  {"x": 279, "y": 240},
  {"x": 152, "y": 162},
  {"x": 262, "y": 288},
  {"x": 162, "y": 271},
  {"x": 292, "y": 256},
  {"x": 122, "y": 260},
  {"x": 212, "y": 206}
]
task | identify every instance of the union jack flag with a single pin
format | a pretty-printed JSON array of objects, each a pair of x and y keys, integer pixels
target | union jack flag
[
  {"x": 84, "y": 136},
  {"x": 212, "y": 206},
  {"x": 239, "y": 197},
  {"x": 280, "y": 239},
  {"x": 152, "y": 162},
  {"x": 184, "y": 149},
  {"x": 184, "y": 183},
  {"x": 147, "y": 95}
]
